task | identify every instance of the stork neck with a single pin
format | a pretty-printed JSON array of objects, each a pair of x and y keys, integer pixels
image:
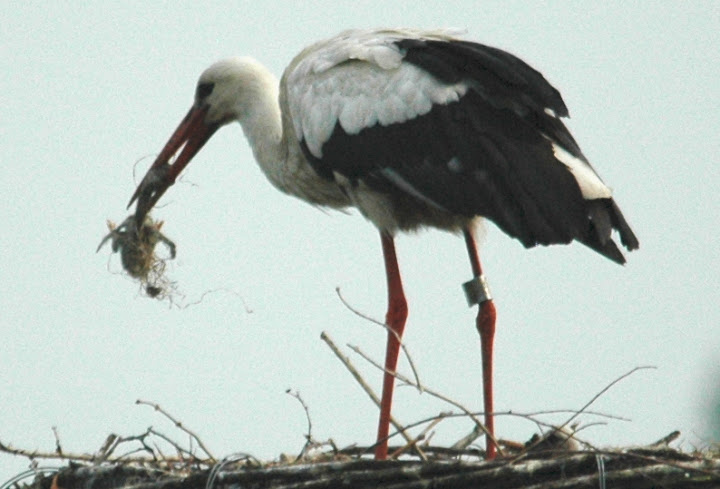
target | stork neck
[{"x": 262, "y": 126}]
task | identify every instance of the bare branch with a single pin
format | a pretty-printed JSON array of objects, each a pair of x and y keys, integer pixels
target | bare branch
[
  {"x": 666, "y": 440},
  {"x": 107, "y": 447},
  {"x": 561, "y": 428},
  {"x": 417, "y": 384},
  {"x": 58, "y": 447},
  {"x": 416, "y": 440},
  {"x": 139, "y": 438},
  {"x": 308, "y": 437},
  {"x": 532, "y": 414},
  {"x": 468, "y": 439},
  {"x": 431, "y": 392},
  {"x": 226, "y": 462},
  {"x": 181, "y": 452},
  {"x": 178, "y": 424},
  {"x": 603, "y": 391},
  {"x": 368, "y": 390},
  {"x": 297, "y": 396}
]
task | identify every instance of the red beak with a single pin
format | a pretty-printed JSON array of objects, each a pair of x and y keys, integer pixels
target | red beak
[{"x": 192, "y": 133}]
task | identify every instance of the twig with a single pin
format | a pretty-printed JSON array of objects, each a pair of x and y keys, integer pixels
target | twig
[
  {"x": 368, "y": 390},
  {"x": 603, "y": 391},
  {"x": 431, "y": 392},
  {"x": 468, "y": 439},
  {"x": 160, "y": 455},
  {"x": 35, "y": 454},
  {"x": 179, "y": 425},
  {"x": 107, "y": 447},
  {"x": 225, "y": 462},
  {"x": 567, "y": 422},
  {"x": 414, "y": 442},
  {"x": 531, "y": 414},
  {"x": 297, "y": 396},
  {"x": 308, "y": 437},
  {"x": 417, "y": 383},
  {"x": 58, "y": 447},
  {"x": 181, "y": 452},
  {"x": 127, "y": 456},
  {"x": 25, "y": 453},
  {"x": 666, "y": 440},
  {"x": 139, "y": 438},
  {"x": 110, "y": 446}
]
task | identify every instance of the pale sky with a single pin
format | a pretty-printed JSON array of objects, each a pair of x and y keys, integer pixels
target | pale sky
[{"x": 89, "y": 91}]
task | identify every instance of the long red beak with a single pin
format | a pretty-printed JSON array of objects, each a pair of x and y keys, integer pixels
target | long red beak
[{"x": 192, "y": 133}]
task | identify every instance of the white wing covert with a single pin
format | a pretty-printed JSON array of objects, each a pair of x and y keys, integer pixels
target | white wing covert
[{"x": 358, "y": 80}]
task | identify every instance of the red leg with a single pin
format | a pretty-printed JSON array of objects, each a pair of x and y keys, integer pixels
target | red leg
[
  {"x": 486, "y": 328},
  {"x": 395, "y": 319}
]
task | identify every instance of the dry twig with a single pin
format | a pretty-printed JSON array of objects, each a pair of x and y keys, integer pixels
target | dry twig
[
  {"x": 417, "y": 383},
  {"x": 58, "y": 447},
  {"x": 308, "y": 437},
  {"x": 432, "y": 393},
  {"x": 368, "y": 390},
  {"x": 179, "y": 425},
  {"x": 603, "y": 391}
]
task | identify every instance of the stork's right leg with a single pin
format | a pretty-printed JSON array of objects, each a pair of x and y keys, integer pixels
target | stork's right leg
[{"x": 395, "y": 320}]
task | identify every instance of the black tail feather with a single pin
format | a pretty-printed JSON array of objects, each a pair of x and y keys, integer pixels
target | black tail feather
[
  {"x": 605, "y": 216},
  {"x": 627, "y": 237}
]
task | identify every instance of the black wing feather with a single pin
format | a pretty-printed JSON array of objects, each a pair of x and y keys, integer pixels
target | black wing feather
[{"x": 489, "y": 154}]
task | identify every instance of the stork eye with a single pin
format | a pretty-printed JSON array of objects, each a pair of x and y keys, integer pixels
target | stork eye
[{"x": 203, "y": 90}]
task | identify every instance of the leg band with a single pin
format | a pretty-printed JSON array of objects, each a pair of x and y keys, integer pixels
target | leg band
[{"x": 477, "y": 291}]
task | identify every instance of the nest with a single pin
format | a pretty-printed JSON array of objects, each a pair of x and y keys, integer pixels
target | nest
[{"x": 619, "y": 469}]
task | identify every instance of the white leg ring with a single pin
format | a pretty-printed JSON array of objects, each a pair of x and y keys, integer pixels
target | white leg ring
[{"x": 477, "y": 291}]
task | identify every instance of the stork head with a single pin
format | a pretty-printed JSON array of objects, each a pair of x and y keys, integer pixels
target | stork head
[{"x": 224, "y": 93}]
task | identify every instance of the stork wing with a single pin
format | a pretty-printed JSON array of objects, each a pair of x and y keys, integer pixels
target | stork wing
[{"x": 470, "y": 129}]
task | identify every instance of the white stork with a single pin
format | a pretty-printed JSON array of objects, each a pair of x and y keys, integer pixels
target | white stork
[{"x": 415, "y": 129}]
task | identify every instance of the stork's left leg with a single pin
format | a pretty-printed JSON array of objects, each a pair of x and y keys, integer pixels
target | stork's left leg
[
  {"x": 395, "y": 320},
  {"x": 478, "y": 293}
]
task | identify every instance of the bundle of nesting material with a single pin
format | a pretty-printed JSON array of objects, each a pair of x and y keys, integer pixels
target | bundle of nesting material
[{"x": 137, "y": 252}]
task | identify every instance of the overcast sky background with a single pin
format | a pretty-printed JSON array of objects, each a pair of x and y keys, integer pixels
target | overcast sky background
[{"x": 88, "y": 91}]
